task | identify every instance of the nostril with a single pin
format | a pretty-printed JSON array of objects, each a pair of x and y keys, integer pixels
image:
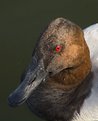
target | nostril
[
  {"x": 50, "y": 73},
  {"x": 32, "y": 80}
]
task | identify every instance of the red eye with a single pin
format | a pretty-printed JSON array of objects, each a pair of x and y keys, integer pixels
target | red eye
[{"x": 58, "y": 48}]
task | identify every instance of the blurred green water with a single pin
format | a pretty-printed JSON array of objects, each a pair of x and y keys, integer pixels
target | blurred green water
[{"x": 21, "y": 23}]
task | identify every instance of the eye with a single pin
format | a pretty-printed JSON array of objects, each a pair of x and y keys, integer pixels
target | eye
[{"x": 58, "y": 48}]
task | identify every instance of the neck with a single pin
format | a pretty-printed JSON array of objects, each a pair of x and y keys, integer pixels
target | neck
[
  {"x": 59, "y": 104},
  {"x": 73, "y": 99}
]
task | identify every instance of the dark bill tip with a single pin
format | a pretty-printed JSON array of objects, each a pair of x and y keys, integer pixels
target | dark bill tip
[{"x": 15, "y": 100}]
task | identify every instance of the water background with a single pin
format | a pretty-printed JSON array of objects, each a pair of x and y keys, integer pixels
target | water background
[{"x": 21, "y": 22}]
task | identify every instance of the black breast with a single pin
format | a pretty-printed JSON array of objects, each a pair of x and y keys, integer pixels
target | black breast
[{"x": 55, "y": 104}]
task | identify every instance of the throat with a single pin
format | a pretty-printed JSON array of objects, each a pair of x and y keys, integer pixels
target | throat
[{"x": 56, "y": 104}]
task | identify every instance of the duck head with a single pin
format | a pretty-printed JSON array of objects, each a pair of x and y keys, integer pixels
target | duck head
[{"x": 61, "y": 52}]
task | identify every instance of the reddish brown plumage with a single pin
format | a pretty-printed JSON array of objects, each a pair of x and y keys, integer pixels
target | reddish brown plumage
[{"x": 74, "y": 58}]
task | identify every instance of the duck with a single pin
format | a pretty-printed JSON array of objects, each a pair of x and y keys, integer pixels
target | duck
[{"x": 60, "y": 83}]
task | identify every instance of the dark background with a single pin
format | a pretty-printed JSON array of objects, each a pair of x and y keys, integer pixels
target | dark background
[{"x": 21, "y": 22}]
